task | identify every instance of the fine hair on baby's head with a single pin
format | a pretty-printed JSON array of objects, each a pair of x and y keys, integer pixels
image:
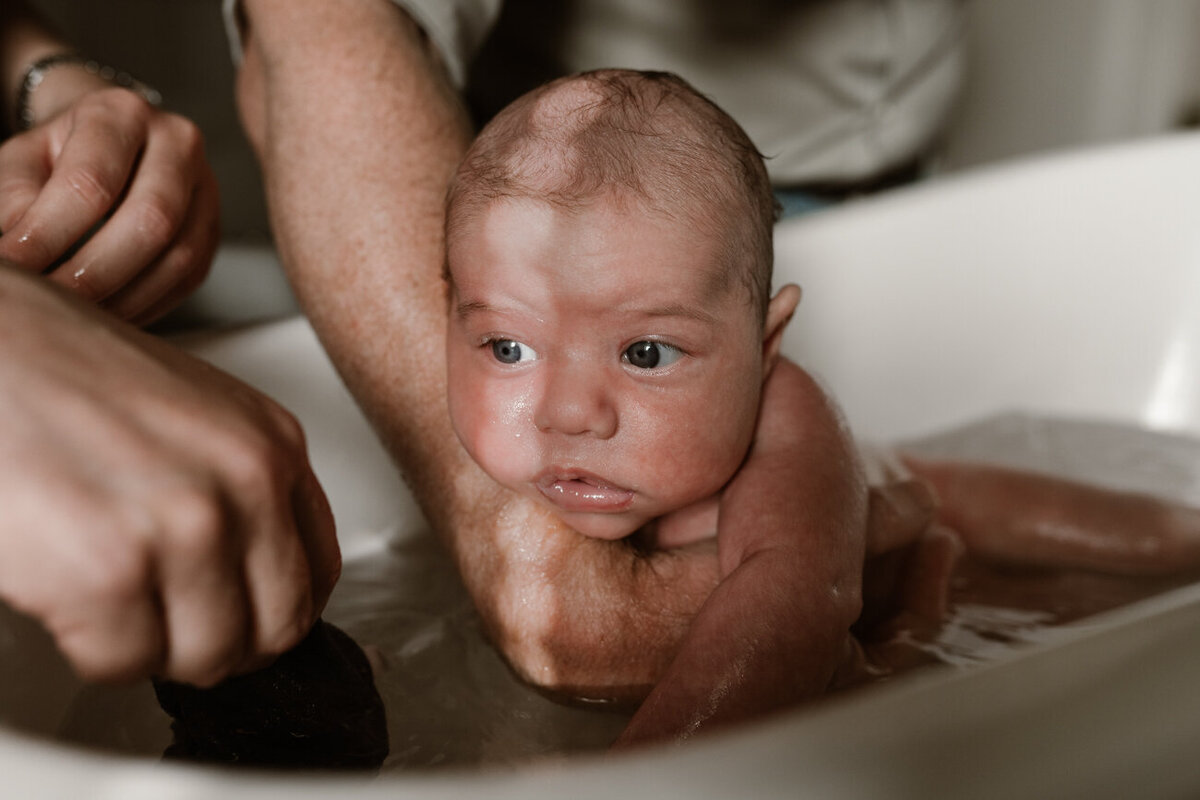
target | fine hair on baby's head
[{"x": 643, "y": 137}]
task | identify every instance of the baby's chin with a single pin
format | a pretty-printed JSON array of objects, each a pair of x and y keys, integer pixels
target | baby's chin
[{"x": 601, "y": 526}]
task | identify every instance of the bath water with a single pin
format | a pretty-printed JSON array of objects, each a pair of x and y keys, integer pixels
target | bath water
[{"x": 452, "y": 701}]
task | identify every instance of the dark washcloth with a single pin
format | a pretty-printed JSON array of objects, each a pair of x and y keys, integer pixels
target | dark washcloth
[{"x": 315, "y": 707}]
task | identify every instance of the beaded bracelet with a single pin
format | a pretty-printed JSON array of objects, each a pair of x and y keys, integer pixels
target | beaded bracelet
[{"x": 36, "y": 73}]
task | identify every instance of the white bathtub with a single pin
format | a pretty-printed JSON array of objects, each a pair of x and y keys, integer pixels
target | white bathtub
[{"x": 1069, "y": 285}]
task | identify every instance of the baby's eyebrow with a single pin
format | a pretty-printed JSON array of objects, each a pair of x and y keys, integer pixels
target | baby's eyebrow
[
  {"x": 469, "y": 307},
  {"x": 679, "y": 310}
]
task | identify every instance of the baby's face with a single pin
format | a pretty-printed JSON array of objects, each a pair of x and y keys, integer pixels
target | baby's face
[{"x": 595, "y": 365}]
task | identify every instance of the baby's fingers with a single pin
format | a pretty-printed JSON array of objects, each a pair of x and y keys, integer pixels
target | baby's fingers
[{"x": 900, "y": 512}]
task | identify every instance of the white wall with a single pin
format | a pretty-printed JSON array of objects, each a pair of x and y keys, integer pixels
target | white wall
[{"x": 1049, "y": 74}]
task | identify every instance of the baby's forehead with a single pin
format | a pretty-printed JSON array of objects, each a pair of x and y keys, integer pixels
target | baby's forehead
[{"x": 708, "y": 281}]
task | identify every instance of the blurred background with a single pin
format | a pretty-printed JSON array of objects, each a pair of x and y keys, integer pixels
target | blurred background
[{"x": 1043, "y": 75}]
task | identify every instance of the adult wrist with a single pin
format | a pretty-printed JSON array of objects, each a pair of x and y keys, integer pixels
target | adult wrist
[{"x": 25, "y": 116}]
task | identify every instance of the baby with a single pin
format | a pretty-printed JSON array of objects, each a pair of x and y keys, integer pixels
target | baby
[
  {"x": 609, "y": 254},
  {"x": 613, "y": 353}
]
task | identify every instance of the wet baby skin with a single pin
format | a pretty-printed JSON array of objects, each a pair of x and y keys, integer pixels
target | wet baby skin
[{"x": 603, "y": 362}]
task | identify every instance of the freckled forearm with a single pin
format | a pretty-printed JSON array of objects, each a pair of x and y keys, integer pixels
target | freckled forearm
[
  {"x": 579, "y": 616},
  {"x": 358, "y": 136}
]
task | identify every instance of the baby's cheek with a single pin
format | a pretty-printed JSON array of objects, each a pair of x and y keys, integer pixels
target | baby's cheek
[
  {"x": 487, "y": 415},
  {"x": 503, "y": 452}
]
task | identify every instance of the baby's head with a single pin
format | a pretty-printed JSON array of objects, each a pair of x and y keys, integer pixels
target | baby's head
[{"x": 609, "y": 259}]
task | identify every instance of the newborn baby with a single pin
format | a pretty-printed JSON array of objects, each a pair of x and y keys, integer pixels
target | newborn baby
[
  {"x": 613, "y": 355},
  {"x": 611, "y": 329}
]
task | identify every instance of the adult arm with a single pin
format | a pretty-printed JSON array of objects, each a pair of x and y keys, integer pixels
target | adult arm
[
  {"x": 358, "y": 131},
  {"x": 156, "y": 515},
  {"x": 99, "y": 161}
]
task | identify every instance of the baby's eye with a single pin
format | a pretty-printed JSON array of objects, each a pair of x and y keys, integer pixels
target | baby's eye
[
  {"x": 508, "y": 351},
  {"x": 649, "y": 355}
]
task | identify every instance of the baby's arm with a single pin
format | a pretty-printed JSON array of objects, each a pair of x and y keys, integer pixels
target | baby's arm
[
  {"x": 790, "y": 554},
  {"x": 1039, "y": 520}
]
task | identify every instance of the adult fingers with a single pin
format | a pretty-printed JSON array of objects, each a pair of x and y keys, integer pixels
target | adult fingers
[
  {"x": 277, "y": 576},
  {"x": 204, "y": 596},
  {"x": 107, "y": 635},
  {"x": 292, "y": 558},
  {"x": 149, "y": 217},
  {"x": 178, "y": 272},
  {"x": 314, "y": 519},
  {"x": 24, "y": 170},
  {"x": 87, "y": 580},
  {"x": 101, "y": 140}
]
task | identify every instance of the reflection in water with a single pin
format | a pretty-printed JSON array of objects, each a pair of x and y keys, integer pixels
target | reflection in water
[{"x": 450, "y": 700}]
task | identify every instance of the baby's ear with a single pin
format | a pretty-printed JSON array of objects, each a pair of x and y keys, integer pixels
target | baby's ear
[{"x": 779, "y": 312}]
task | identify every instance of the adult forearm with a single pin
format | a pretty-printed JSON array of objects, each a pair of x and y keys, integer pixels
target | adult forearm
[{"x": 358, "y": 133}]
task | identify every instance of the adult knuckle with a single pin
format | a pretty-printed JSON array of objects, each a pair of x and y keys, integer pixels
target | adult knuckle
[
  {"x": 253, "y": 464},
  {"x": 194, "y": 518},
  {"x": 280, "y": 635},
  {"x": 289, "y": 429},
  {"x": 128, "y": 106},
  {"x": 188, "y": 264},
  {"x": 118, "y": 573},
  {"x": 157, "y": 218},
  {"x": 95, "y": 186},
  {"x": 18, "y": 191},
  {"x": 185, "y": 132}
]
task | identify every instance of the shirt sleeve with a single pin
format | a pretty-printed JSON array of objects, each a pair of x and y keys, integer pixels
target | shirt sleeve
[{"x": 457, "y": 29}]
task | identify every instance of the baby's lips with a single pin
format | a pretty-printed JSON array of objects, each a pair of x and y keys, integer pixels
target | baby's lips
[{"x": 578, "y": 491}]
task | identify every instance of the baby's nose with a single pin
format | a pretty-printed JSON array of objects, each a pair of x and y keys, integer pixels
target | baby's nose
[{"x": 577, "y": 400}]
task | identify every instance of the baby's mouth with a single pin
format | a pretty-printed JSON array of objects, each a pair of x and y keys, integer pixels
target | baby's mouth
[{"x": 573, "y": 490}]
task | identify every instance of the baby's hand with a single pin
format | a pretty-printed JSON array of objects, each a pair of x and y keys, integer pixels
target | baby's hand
[{"x": 689, "y": 525}]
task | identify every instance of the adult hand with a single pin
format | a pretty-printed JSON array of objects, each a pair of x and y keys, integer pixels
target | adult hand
[
  {"x": 159, "y": 517},
  {"x": 125, "y": 183}
]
